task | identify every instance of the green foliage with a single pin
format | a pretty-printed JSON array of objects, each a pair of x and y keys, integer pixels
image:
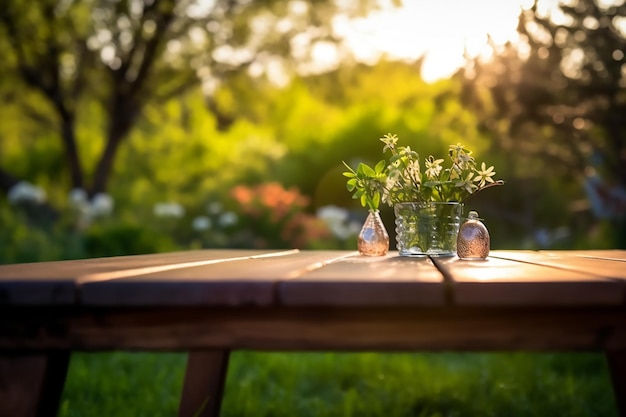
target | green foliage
[
  {"x": 22, "y": 242},
  {"x": 366, "y": 183}
]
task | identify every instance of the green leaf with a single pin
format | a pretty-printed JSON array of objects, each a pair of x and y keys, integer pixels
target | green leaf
[
  {"x": 348, "y": 174},
  {"x": 365, "y": 170},
  {"x": 364, "y": 200},
  {"x": 376, "y": 200},
  {"x": 380, "y": 167}
]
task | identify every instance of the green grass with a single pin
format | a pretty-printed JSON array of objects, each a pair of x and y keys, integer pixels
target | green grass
[{"x": 356, "y": 384}]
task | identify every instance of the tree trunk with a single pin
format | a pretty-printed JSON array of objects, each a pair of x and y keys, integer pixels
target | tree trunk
[
  {"x": 105, "y": 164},
  {"x": 68, "y": 137},
  {"x": 122, "y": 119}
]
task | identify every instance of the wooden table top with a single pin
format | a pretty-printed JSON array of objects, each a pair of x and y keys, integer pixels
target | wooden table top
[
  {"x": 210, "y": 302},
  {"x": 223, "y": 278}
]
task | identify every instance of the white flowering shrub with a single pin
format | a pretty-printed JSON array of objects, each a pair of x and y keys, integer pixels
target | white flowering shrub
[{"x": 25, "y": 192}]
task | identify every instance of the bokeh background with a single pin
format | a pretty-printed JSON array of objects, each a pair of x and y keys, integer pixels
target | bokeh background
[{"x": 133, "y": 126}]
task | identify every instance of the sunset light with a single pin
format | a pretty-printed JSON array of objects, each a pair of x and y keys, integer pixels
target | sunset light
[{"x": 440, "y": 31}]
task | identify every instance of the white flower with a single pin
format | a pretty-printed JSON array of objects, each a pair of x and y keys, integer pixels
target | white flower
[
  {"x": 102, "y": 204},
  {"x": 390, "y": 141},
  {"x": 433, "y": 167},
  {"x": 484, "y": 174},
  {"x": 413, "y": 171},
  {"x": 77, "y": 197},
  {"x": 332, "y": 214},
  {"x": 168, "y": 210},
  {"x": 26, "y": 192},
  {"x": 336, "y": 218},
  {"x": 201, "y": 223},
  {"x": 227, "y": 219}
]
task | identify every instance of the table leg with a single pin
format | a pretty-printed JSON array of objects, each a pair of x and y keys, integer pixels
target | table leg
[
  {"x": 204, "y": 383},
  {"x": 31, "y": 384},
  {"x": 617, "y": 368}
]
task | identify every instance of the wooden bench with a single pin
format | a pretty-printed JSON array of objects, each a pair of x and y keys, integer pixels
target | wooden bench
[{"x": 210, "y": 302}]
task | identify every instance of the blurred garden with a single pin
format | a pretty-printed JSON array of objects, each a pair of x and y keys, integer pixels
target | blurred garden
[
  {"x": 136, "y": 131},
  {"x": 131, "y": 127}
]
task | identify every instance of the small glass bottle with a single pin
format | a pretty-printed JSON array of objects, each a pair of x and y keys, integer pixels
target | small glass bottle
[
  {"x": 373, "y": 239},
  {"x": 473, "y": 241}
]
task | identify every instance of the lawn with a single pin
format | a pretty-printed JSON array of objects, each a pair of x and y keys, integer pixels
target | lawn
[{"x": 350, "y": 384}]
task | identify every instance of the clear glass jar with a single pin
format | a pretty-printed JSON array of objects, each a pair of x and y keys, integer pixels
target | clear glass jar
[{"x": 427, "y": 229}]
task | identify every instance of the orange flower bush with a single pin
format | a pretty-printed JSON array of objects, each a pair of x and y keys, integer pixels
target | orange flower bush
[{"x": 276, "y": 216}]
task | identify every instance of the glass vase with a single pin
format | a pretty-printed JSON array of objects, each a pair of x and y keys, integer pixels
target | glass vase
[
  {"x": 427, "y": 229},
  {"x": 373, "y": 239}
]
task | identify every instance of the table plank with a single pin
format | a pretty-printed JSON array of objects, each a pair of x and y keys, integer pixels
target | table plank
[
  {"x": 593, "y": 263},
  {"x": 248, "y": 280},
  {"x": 607, "y": 264},
  {"x": 367, "y": 281},
  {"x": 55, "y": 283},
  {"x": 611, "y": 254},
  {"x": 313, "y": 328},
  {"x": 506, "y": 282},
  {"x": 80, "y": 267}
]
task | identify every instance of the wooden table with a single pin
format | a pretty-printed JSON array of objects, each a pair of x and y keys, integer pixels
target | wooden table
[{"x": 211, "y": 302}]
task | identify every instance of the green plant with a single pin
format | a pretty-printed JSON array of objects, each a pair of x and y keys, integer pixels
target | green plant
[{"x": 401, "y": 179}]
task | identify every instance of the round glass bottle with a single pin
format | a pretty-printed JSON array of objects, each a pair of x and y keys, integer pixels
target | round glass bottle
[{"x": 473, "y": 240}]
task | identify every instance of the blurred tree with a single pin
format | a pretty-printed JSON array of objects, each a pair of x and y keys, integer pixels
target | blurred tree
[
  {"x": 559, "y": 96},
  {"x": 61, "y": 56}
]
